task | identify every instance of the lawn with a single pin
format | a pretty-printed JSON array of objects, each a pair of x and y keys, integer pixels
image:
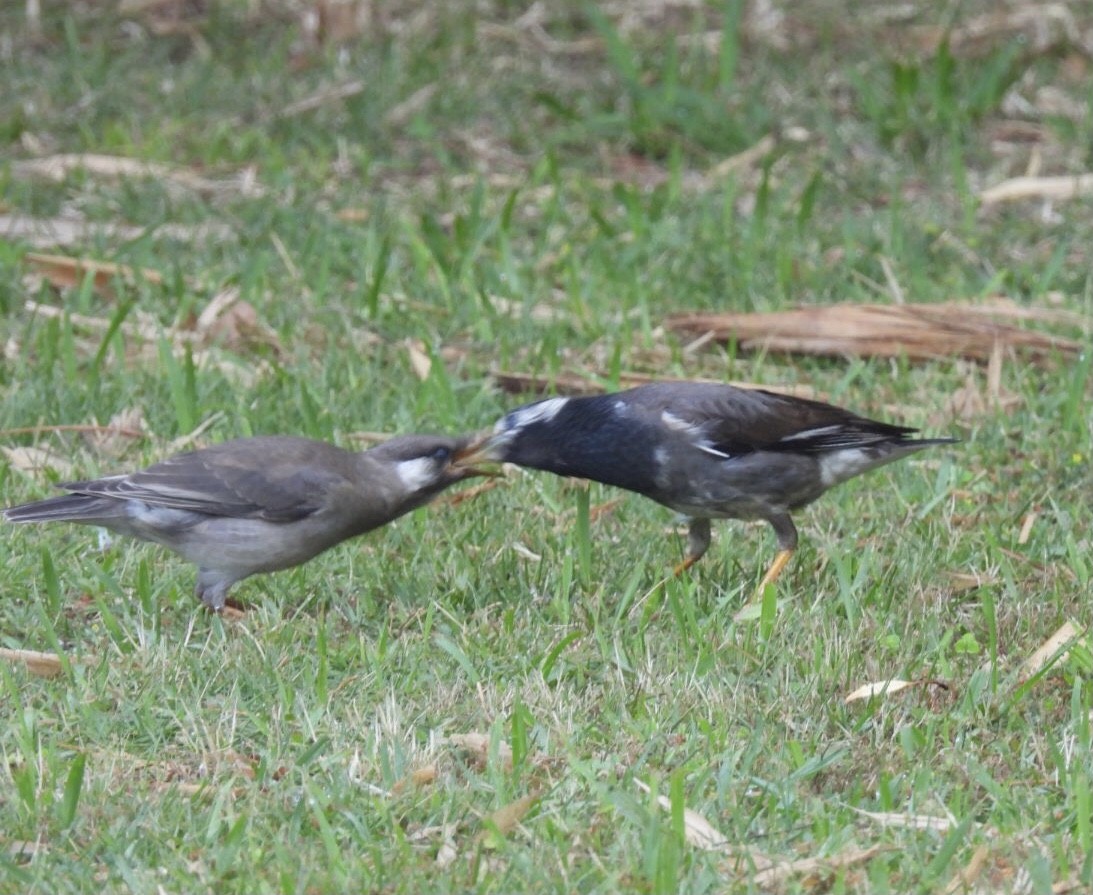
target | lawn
[{"x": 345, "y": 220}]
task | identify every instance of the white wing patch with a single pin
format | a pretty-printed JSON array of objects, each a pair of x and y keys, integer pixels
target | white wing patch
[
  {"x": 675, "y": 423},
  {"x": 702, "y": 446},
  {"x": 812, "y": 433},
  {"x": 416, "y": 474},
  {"x": 542, "y": 412}
]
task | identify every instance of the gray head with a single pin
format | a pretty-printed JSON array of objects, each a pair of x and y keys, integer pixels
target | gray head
[{"x": 426, "y": 464}]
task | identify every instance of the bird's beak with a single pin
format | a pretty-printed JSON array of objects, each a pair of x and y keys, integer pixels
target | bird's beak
[{"x": 478, "y": 451}]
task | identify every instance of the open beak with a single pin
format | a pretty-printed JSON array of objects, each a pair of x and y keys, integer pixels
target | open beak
[{"x": 478, "y": 451}]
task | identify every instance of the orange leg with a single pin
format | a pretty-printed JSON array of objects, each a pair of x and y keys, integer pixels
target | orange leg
[
  {"x": 698, "y": 542},
  {"x": 780, "y": 562},
  {"x": 680, "y": 567}
]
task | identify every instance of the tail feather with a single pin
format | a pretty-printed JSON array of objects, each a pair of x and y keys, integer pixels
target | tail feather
[
  {"x": 83, "y": 508},
  {"x": 926, "y": 442}
]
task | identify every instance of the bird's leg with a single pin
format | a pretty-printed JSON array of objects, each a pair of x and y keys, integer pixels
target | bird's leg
[
  {"x": 698, "y": 542},
  {"x": 786, "y": 532},
  {"x": 211, "y": 589}
]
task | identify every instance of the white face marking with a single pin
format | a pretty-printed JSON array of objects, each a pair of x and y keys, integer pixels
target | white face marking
[
  {"x": 543, "y": 412},
  {"x": 841, "y": 465},
  {"x": 416, "y": 474}
]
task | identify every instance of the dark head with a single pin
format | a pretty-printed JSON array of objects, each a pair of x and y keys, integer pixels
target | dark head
[
  {"x": 598, "y": 437},
  {"x": 426, "y": 464},
  {"x": 526, "y": 436}
]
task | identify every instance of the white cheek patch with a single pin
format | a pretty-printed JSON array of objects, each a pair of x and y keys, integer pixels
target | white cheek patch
[
  {"x": 543, "y": 412},
  {"x": 416, "y": 474}
]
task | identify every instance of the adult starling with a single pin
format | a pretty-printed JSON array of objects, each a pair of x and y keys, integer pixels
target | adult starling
[
  {"x": 708, "y": 451},
  {"x": 259, "y": 504}
]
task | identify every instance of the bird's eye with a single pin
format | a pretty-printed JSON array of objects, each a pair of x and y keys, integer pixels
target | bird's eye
[{"x": 442, "y": 454}]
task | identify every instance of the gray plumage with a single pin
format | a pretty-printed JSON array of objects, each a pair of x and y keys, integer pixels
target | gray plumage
[
  {"x": 259, "y": 504},
  {"x": 708, "y": 451}
]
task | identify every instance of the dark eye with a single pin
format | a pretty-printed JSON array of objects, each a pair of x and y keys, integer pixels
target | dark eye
[{"x": 442, "y": 454}]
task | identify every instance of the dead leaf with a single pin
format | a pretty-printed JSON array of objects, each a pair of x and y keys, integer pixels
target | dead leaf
[
  {"x": 817, "y": 867},
  {"x": 124, "y": 427},
  {"x": 879, "y": 688},
  {"x": 969, "y": 402},
  {"x": 596, "y": 513},
  {"x": 455, "y": 498},
  {"x": 698, "y": 831},
  {"x": 66, "y": 272},
  {"x": 540, "y": 312},
  {"x": 404, "y": 112},
  {"x": 321, "y": 97},
  {"x": 966, "y": 581},
  {"x": 420, "y": 362},
  {"x": 447, "y": 853},
  {"x": 353, "y": 215},
  {"x": 113, "y": 167},
  {"x": 371, "y": 437},
  {"x": 1058, "y": 189},
  {"x": 139, "y": 326},
  {"x": 90, "y": 429},
  {"x": 58, "y": 167},
  {"x": 418, "y": 777},
  {"x": 966, "y": 877},
  {"x": 341, "y": 21},
  {"x": 184, "y": 442},
  {"x": 754, "y": 155},
  {"x": 915, "y": 331},
  {"x": 478, "y": 745},
  {"x": 39, "y": 664},
  {"x": 22, "y": 849},
  {"x": 68, "y": 231},
  {"x": 908, "y": 821},
  {"x": 504, "y": 820},
  {"x": 1052, "y": 650},
  {"x": 1041, "y": 28},
  {"x": 230, "y": 321},
  {"x": 593, "y": 384},
  {"x": 145, "y": 329},
  {"x": 1026, "y": 527},
  {"x": 36, "y": 459}
]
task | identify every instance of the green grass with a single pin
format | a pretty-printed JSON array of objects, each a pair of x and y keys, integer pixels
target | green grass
[{"x": 541, "y": 208}]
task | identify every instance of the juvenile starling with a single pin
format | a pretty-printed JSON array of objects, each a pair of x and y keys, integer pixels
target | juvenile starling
[
  {"x": 708, "y": 451},
  {"x": 259, "y": 504}
]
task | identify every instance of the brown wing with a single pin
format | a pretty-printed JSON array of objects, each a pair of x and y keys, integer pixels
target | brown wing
[
  {"x": 279, "y": 479},
  {"x": 734, "y": 421}
]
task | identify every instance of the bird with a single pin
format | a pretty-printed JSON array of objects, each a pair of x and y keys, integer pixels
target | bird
[
  {"x": 706, "y": 450},
  {"x": 259, "y": 504}
]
